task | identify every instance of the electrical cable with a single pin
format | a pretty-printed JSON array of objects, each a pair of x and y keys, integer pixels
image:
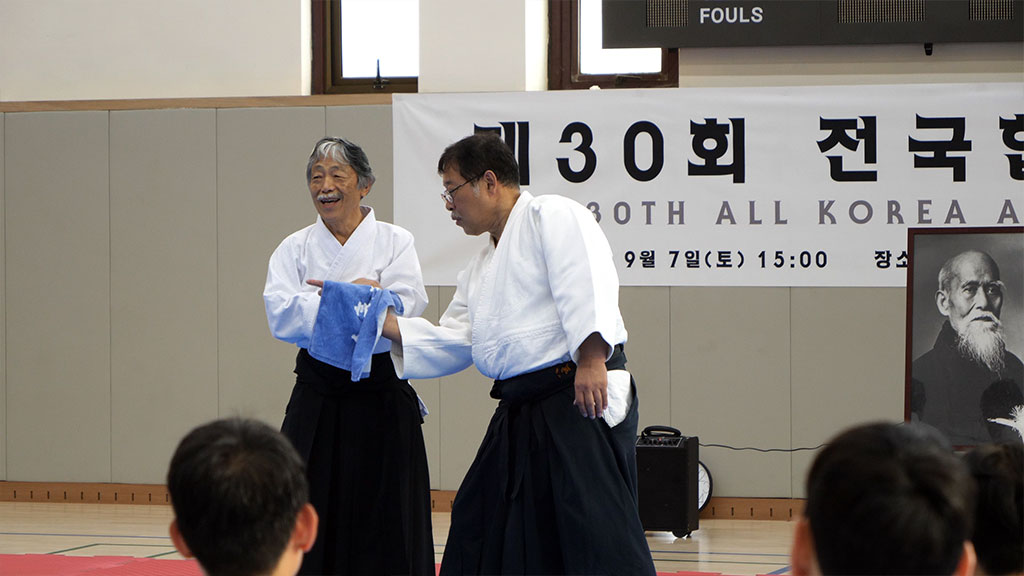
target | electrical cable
[{"x": 762, "y": 449}]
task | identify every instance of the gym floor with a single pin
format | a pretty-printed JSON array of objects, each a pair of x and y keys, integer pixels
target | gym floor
[{"x": 728, "y": 547}]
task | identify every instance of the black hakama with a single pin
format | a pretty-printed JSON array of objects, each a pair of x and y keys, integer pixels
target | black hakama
[
  {"x": 550, "y": 492},
  {"x": 367, "y": 468}
]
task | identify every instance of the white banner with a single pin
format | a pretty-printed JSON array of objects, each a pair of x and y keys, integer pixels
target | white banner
[{"x": 795, "y": 186}]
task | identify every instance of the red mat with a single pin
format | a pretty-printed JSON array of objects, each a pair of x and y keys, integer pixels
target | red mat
[{"x": 50, "y": 564}]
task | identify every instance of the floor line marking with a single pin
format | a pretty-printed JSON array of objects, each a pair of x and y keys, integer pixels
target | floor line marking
[
  {"x": 673, "y": 560},
  {"x": 132, "y": 545},
  {"x": 720, "y": 553},
  {"x": 81, "y": 535},
  {"x": 72, "y": 549},
  {"x": 162, "y": 554}
]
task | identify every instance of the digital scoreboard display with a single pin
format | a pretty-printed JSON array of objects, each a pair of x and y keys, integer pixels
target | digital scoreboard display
[{"x": 720, "y": 23}]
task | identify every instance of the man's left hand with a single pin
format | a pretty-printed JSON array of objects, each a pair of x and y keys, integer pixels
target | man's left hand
[{"x": 592, "y": 378}]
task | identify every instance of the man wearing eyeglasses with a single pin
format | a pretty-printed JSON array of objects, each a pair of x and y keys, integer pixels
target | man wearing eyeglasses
[
  {"x": 553, "y": 486},
  {"x": 968, "y": 378}
]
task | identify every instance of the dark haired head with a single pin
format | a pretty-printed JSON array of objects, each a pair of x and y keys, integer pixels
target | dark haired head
[
  {"x": 236, "y": 487},
  {"x": 998, "y": 471},
  {"x": 889, "y": 499},
  {"x": 474, "y": 155}
]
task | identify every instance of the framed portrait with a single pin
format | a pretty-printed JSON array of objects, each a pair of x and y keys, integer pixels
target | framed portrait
[{"x": 965, "y": 332}]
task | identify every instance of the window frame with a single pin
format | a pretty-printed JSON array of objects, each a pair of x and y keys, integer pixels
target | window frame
[
  {"x": 327, "y": 75},
  {"x": 564, "y": 57}
]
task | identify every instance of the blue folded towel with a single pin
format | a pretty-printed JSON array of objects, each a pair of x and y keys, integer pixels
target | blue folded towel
[{"x": 348, "y": 325}]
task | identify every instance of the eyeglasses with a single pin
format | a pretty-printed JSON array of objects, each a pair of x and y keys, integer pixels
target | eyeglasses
[{"x": 449, "y": 195}]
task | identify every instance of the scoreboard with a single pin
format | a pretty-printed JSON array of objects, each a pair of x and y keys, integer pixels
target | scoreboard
[{"x": 721, "y": 23}]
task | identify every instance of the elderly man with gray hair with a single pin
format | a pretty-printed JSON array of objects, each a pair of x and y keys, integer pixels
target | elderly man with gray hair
[
  {"x": 968, "y": 379},
  {"x": 356, "y": 424}
]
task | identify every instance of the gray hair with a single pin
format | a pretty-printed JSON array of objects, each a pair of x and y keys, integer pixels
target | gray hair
[{"x": 345, "y": 152}]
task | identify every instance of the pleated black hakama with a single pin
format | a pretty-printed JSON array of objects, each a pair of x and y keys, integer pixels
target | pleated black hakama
[
  {"x": 550, "y": 492},
  {"x": 367, "y": 468}
]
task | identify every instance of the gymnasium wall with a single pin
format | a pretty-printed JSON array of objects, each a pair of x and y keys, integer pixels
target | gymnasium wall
[
  {"x": 103, "y": 49},
  {"x": 133, "y": 250}
]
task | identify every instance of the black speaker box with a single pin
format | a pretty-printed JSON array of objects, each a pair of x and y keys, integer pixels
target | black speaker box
[{"x": 667, "y": 481}]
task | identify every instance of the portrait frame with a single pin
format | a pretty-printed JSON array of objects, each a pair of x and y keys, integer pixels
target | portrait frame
[{"x": 927, "y": 250}]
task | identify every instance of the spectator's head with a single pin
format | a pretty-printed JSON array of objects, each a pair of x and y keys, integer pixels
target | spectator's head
[
  {"x": 998, "y": 471},
  {"x": 971, "y": 294},
  {"x": 240, "y": 499},
  {"x": 886, "y": 499}
]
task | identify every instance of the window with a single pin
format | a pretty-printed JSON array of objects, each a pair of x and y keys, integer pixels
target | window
[
  {"x": 576, "y": 61},
  {"x": 352, "y": 57},
  {"x": 346, "y": 50}
]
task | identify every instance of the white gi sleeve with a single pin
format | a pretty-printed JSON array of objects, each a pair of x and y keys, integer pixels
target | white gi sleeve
[
  {"x": 291, "y": 304},
  {"x": 581, "y": 272},
  {"x": 429, "y": 351}
]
